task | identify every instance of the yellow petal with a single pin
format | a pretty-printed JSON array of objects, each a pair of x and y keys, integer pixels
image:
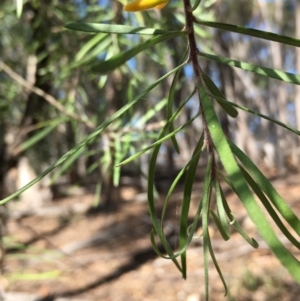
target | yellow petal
[{"x": 139, "y": 5}]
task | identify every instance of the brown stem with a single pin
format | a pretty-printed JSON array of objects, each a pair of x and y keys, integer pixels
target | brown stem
[
  {"x": 193, "y": 57},
  {"x": 189, "y": 21}
]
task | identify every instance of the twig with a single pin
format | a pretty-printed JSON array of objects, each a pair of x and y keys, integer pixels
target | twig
[{"x": 49, "y": 98}]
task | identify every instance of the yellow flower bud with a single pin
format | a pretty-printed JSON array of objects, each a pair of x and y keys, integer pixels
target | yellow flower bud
[{"x": 139, "y": 5}]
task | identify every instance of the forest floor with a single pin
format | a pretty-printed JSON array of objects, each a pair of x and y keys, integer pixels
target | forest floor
[{"x": 66, "y": 252}]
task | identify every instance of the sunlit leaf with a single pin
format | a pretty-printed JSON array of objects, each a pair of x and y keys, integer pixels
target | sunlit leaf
[
  {"x": 255, "y": 187},
  {"x": 242, "y": 190},
  {"x": 272, "y": 73},
  {"x": 265, "y": 185},
  {"x": 19, "y": 4},
  {"x": 115, "y": 28},
  {"x": 95, "y": 40},
  {"x": 121, "y": 58},
  {"x": 227, "y": 107},
  {"x": 252, "y": 32}
]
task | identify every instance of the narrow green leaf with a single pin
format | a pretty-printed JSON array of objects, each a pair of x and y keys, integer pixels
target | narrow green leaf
[
  {"x": 187, "y": 236},
  {"x": 151, "y": 112},
  {"x": 213, "y": 257},
  {"x": 269, "y": 208},
  {"x": 118, "y": 155},
  {"x": 67, "y": 164},
  {"x": 170, "y": 103},
  {"x": 115, "y": 28},
  {"x": 190, "y": 229},
  {"x": 252, "y": 32},
  {"x": 272, "y": 73},
  {"x": 96, "y": 39},
  {"x": 151, "y": 205},
  {"x": 196, "y": 4},
  {"x": 103, "y": 47},
  {"x": 205, "y": 215},
  {"x": 282, "y": 207},
  {"x": 171, "y": 256},
  {"x": 258, "y": 114},
  {"x": 194, "y": 162},
  {"x": 151, "y": 191},
  {"x": 221, "y": 210},
  {"x": 219, "y": 225},
  {"x": 157, "y": 227},
  {"x": 188, "y": 186},
  {"x": 116, "y": 61},
  {"x": 171, "y": 189},
  {"x": 170, "y": 109},
  {"x": 251, "y": 241},
  {"x": 164, "y": 137},
  {"x": 242, "y": 190},
  {"x": 155, "y": 247},
  {"x": 227, "y": 107},
  {"x": 157, "y": 142},
  {"x": 19, "y": 4}
]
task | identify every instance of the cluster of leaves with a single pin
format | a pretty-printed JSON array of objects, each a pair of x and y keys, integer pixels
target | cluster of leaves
[{"x": 238, "y": 172}]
